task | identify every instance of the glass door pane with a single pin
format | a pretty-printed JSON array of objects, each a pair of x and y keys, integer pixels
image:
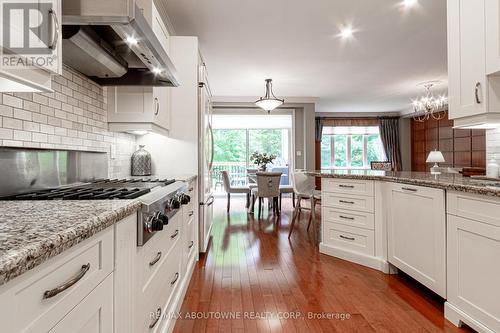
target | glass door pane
[
  {"x": 272, "y": 142},
  {"x": 230, "y": 154}
]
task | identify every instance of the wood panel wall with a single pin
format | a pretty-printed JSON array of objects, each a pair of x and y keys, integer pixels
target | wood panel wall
[{"x": 460, "y": 148}]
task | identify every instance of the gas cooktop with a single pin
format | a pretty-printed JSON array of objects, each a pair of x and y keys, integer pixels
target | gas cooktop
[{"x": 97, "y": 190}]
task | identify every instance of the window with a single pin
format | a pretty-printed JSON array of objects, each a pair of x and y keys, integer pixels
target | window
[{"x": 351, "y": 147}]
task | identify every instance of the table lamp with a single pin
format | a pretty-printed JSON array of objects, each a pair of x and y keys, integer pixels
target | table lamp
[{"x": 435, "y": 157}]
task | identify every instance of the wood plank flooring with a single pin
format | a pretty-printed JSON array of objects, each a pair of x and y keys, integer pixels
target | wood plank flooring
[{"x": 254, "y": 279}]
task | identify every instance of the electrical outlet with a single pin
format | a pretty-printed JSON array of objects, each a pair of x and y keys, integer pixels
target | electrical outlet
[{"x": 298, "y": 152}]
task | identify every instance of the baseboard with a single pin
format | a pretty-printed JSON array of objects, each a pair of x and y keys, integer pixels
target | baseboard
[
  {"x": 457, "y": 317},
  {"x": 357, "y": 258},
  {"x": 176, "y": 304}
]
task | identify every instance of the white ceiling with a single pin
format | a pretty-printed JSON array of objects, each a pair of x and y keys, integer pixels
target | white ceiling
[{"x": 295, "y": 43}]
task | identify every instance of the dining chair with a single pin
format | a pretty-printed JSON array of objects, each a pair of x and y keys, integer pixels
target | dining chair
[
  {"x": 233, "y": 189},
  {"x": 304, "y": 187},
  {"x": 268, "y": 186}
]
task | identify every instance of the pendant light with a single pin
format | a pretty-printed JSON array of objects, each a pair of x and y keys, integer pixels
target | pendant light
[{"x": 269, "y": 102}]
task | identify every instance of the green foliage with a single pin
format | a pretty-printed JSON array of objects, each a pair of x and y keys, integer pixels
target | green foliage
[{"x": 229, "y": 145}]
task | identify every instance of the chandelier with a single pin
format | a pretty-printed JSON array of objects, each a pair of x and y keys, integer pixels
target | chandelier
[
  {"x": 269, "y": 102},
  {"x": 429, "y": 106}
]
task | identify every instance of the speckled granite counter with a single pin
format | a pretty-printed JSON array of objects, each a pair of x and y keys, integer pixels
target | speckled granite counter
[
  {"x": 453, "y": 182},
  {"x": 33, "y": 231}
]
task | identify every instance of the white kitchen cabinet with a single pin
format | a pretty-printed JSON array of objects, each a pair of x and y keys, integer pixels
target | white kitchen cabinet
[
  {"x": 492, "y": 15},
  {"x": 156, "y": 21},
  {"x": 473, "y": 274},
  {"x": 37, "y": 76},
  {"x": 139, "y": 108},
  {"x": 416, "y": 218},
  {"x": 473, "y": 96},
  {"x": 94, "y": 314},
  {"x": 80, "y": 269}
]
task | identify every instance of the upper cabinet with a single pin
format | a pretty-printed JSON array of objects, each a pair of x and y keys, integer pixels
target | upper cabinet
[
  {"x": 31, "y": 51},
  {"x": 140, "y": 109},
  {"x": 473, "y": 54}
]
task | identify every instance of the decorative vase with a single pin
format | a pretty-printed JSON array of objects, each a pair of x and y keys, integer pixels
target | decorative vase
[{"x": 141, "y": 162}]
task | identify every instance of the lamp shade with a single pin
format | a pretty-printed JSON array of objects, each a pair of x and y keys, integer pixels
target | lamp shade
[{"x": 435, "y": 157}]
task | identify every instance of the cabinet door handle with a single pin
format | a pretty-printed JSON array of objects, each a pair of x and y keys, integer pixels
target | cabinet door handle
[
  {"x": 191, "y": 213},
  {"x": 346, "y": 217},
  {"x": 55, "y": 29},
  {"x": 175, "y": 279},
  {"x": 347, "y": 202},
  {"x": 156, "y": 259},
  {"x": 476, "y": 92},
  {"x": 191, "y": 243},
  {"x": 69, "y": 283},
  {"x": 409, "y": 189},
  {"x": 346, "y": 186},
  {"x": 191, "y": 189},
  {"x": 156, "y": 318},
  {"x": 175, "y": 234},
  {"x": 157, "y": 106},
  {"x": 348, "y": 238}
]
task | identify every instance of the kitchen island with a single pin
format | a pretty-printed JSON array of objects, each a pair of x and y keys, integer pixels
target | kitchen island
[{"x": 442, "y": 230}]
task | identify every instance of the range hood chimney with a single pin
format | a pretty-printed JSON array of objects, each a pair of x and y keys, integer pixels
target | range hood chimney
[{"x": 94, "y": 42}]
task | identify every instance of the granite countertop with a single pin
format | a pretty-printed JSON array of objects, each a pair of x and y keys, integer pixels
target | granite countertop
[
  {"x": 33, "y": 231},
  {"x": 447, "y": 181}
]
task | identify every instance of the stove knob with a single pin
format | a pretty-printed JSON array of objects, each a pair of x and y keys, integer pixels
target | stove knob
[
  {"x": 148, "y": 225},
  {"x": 163, "y": 218},
  {"x": 175, "y": 203},
  {"x": 185, "y": 199},
  {"x": 157, "y": 223}
]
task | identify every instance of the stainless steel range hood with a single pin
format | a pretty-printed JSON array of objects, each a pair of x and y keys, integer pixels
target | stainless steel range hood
[{"x": 94, "y": 42}]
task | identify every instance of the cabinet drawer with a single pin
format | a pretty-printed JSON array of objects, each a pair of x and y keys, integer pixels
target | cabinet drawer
[
  {"x": 93, "y": 314},
  {"x": 350, "y": 238},
  {"x": 476, "y": 207},
  {"x": 349, "y": 202},
  {"x": 353, "y": 219},
  {"x": 158, "y": 294},
  {"x": 153, "y": 255},
  {"x": 39, "y": 314},
  {"x": 348, "y": 186}
]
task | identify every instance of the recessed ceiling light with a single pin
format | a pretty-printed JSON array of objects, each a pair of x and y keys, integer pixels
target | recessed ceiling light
[
  {"x": 346, "y": 32},
  {"x": 131, "y": 40},
  {"x": 410, "y": 3}
]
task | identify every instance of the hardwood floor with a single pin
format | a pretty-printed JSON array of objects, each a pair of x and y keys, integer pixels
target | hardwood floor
[{"x": 255, "y": 274}]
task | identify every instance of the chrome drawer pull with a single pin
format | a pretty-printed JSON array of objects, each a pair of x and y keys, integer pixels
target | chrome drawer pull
[
  {"x": 347, "y": 202},
  {"x": 156, "y": 259},
  {"x": 191, "y": 243},
  {"x": 476, "y": 92},
  {"x": 346, "y": 186},
  {"x": 66, "y": 285},
  {"x": 346, "y": 217},
  {"x": 348, "y": 238},
  {"x": 175, "y": 279},
  {"x": 55, "y": 29},
  {"x": 157, "y": 316},
  {"x": 409, "y": 189},
  {"x": 175, "y": 234}
]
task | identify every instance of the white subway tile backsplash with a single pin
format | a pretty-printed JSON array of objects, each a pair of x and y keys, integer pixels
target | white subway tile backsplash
[
  {"x": 12, "y": 123},
  {"x": 73, "y": 117},
  {"x": 22, "y": 114},
  {"x": 12, "y": 101}
]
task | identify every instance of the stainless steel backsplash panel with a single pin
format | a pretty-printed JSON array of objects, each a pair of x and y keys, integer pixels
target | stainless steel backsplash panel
[{"x": 24, "y": 170}]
